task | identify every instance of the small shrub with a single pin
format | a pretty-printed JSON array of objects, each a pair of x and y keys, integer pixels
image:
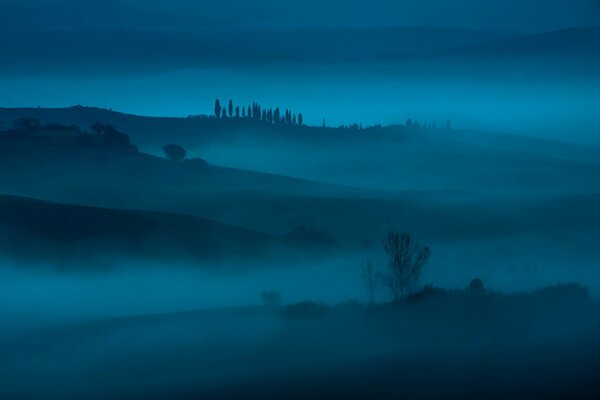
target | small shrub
[
  {"x": 174, "y": 152},
  {"x": 426, "y": 293},
  {"x": 197, "y": 163},
  {"x": 476, "y": 286}
]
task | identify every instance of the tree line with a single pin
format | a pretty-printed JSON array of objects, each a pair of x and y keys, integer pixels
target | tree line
[{"x": 256, "y": 112}]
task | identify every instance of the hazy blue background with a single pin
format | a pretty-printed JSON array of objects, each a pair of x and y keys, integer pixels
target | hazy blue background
[
  {"x": 172, "y": 58},
  {"x": 531, "y": 15}
]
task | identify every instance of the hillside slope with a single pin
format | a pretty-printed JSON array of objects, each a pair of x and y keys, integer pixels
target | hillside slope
[{"x": 81, "y": 237}]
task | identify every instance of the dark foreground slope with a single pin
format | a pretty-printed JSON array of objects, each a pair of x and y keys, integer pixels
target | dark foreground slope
[{"x": 447, "y": 345}]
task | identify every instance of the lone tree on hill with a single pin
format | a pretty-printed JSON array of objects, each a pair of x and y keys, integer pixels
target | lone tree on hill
[
  {"x": 217, "y": 108},
  {"x": 406, "y": 260},
  {"x": 174, "y": 152}
]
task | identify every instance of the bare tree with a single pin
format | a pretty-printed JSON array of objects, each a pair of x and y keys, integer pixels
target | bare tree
[
  {"x": 369, "y": 278},
  {"x": 406, "y": 260}
]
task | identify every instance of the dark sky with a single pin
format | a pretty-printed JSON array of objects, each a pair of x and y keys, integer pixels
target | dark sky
[
  {"x": 529, "y": 15},
  {"x": 511, "y": 15}
]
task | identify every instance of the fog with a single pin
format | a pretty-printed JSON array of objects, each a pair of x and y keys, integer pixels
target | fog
[
  {"x": 400, "y": 200},
  {"x": 136, "y": 289},
  {"x": 63, "y": 338}
]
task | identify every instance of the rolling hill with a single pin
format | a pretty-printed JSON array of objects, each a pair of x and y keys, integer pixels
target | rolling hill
[
  {"x": 83, "y": 238},
  {"x": 475, "y": 202},
  {"x": 382, "y": 158}
]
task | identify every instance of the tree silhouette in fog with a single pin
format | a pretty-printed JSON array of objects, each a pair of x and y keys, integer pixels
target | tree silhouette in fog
[
  {"x": 174, "y": 152},
  {"x": 217, "y": 108},
  {"x": 257, "y": 112},
  {"x": 476, "y": 285},
  {"x": 277, "y": 115},
  {"x": 406, "y": 259}
]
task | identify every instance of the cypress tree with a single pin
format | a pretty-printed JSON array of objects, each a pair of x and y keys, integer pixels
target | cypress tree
[{"x": 217, "y": 108}]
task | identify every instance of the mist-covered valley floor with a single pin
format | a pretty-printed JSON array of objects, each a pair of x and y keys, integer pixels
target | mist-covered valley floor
[
  {"x": 127, "y": 273},
  {"x": 392, "y": 199}
]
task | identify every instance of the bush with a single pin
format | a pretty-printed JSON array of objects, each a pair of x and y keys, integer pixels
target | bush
[
  {"x": 427, "y": 292},
  {"x": 196, "y": 162},
  {"x": 174, "y": 152},
  {"x": 476, "y": 285}
]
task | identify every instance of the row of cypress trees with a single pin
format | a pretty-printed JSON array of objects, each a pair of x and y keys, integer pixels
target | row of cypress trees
[{"x": 256, "y": 112}]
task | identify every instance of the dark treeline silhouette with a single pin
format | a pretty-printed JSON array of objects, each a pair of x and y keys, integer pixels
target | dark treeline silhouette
[
  {"x": 277, "y": 116},
  {"x": 102, "y": 136},
  {"x": 257, "y": 112}
]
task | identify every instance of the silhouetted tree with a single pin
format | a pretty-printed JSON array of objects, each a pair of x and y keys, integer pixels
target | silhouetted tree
[
  {"x": 256, "y": 112},
  {"x": 237, "y": 111},
  {"x": 476, "y": 285},
  {"x": 223, "y": 113},
  {"x": 217, "y": 108},
  {"x": 406, "y": 260},
  {"x": 277, "y": 115},
  {"x": 244, "y": 112},
  {"x": 300, "y": 119},
  {"x": 111, "y": 137},
  {"x": 174, "y": 152},
  {"x": 249, "y": 112},
  {"x": 230, "y": 108}
]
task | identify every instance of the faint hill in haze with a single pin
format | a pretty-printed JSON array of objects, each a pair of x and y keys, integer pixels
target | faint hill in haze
[
  {"x": 571, "y": 51},
  {"x": 105, "y": 14}
]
